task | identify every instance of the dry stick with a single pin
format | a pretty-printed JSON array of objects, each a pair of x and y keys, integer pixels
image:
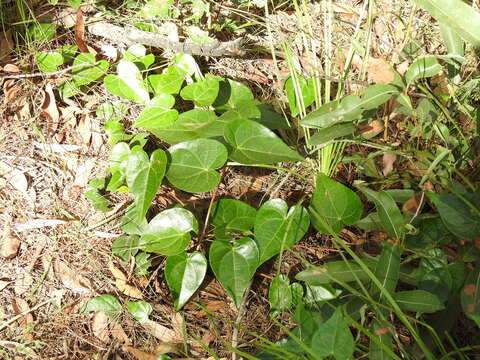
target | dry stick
[
  {"x": 16, "y": 317},
  {"x": 49, "y": 74},
  {"x": 131, "y": 35}
]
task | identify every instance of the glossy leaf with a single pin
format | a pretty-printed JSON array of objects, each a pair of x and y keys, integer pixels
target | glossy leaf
[
  {"x": 125, "y": 246},
  {"x": 167, "y": 83},
  {"x": 202, "y": 93},
  {"x": 470, "y": 295},
  {"x": 277, "y": 228},
  {"x": 137, "y": 54},
  {"x": 193, "y": 164},
  {"x": 184, "y": 274},
  {"x": 234, "y": 265},
  {"x": 91, "y": 71},
  {"x": 418, "y": 301},
  {"x": 342, "y": 271},
  {"x": 140, "y": 310},
  {"x": 334, "y": 338},
  {"x": 128, "y": 84},
  {"x": 169, "y": 232},
  {"x": 333, "y": 206},
  {"x": 49, "y": 61},
  {"x": 144, "y": 176},
  {"x": 317, "y": 294},
  {"x": 232, "y": 95},
  {"x": 158, "y": 112},
  {"x": 457, "y": 14},
  {"x": 280, "y": 293},
  {"x": 230, "y": 215},
  {"x": 109, "y": 304},
  {"x": 423, "y": 67},
  {"x": 459, "y": 215},
  {"x": 255, "y": 144},
  {"x": 130, "y": 223},
  {"x": 388, "y": 211}
]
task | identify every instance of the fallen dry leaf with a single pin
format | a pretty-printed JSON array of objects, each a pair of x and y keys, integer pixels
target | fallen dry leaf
[
  {"x": 11, "y": 95},
  {"x": 4, "y": 284},
  {"x": 11, "y": 68},
  {"x": 139, "y": 354},
  {"x": 10, "y": 246},
  {"x": 411, "y": 205},
  {"x": 121, "y": 283},
  {"x": 83, "y": 173},
  {"x": 161, "y": 332},
  {"x": 100, "y": 328},
  {"x": 66, "y": 17},
  {"x": 57, "y": 148},
  {"x": 38, "y": 224},
  {"x": 379, "y": 71},
  {"x": 23, "y": 284},
  {"x": 388, "y": 161},
  {"x": 20, "y": 306},
  {"x": 71, "y": 279},
  {"x": 14, "y": 177},
  {"x": 371, "y": 128},
  {"x": 403, "y": 67},
  {"x": 84, "y": 128},
  {"x": 80, "y": 32},
  {"x": 119, "y": 334},
  {"x": 212, "y": 306},
  {"x": 50, "y": 110}
]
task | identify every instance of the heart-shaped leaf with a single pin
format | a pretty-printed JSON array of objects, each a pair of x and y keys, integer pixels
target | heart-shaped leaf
[
  {"x": 49, "y": 61},
  {"x": 184, "y": 274},
  {"x": 277, "y": 228},
  {"x": 392, "y": 219},
  {"x": 230, "y": 215},
  {"x": 342, "y": 271},
  {"x": 421, "y": 68},
  {"x": 125, "y": 247},
  {"x": 158, "y": 112},
  {"x": 333, "y": 206},
  {"x": 280, "y": 293},
  {"x": 168, "y": 233},
  {"x": 144, "y": 176},
  {"x": 109, "y": 304},
  {"x": 137, "y": 54},
  {"x": 91, "y": 71},
  {"x": 193, "y": 164},
  {"x": 140, "y": 310},
  {"x": 167, "y": 83},
  {"x": 202, "y": 93},
  {"x": 234, "y": 265},
  {"x": 418, "y": 301},
  {"x": 128, "y": 84},
  {"x": 255, "y": 144},
  {"x": 190, "y": 125},
  {"x": 232, "y": 95}
]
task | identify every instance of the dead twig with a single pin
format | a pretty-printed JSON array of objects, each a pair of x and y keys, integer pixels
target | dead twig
[{"x": 16, "y": 317}]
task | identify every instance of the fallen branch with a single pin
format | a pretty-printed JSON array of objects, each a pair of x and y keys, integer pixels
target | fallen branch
[{"x": 131, "y": 35}]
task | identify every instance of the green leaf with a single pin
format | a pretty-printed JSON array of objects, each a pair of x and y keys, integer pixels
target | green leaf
[
  {"x": 187, "y": 64},
  {"x": 184, "y": 274},
  {"x": 376, "y": 95},
  {"x": 333, "y": 206},
  {"x": 130, "y": 224},
  {"x": 342, "y": 271},
  {"x": 190, "y": 125},
  {"x": 41, "y": 32},
  {"x": 68, "y": 89},
  {"x": 456, "y": 14},
  {"x": 154, "y": 8},
  {"x": 270, "y": 118},
  {"x": 230, "y": 215},
  {"x": 142, "y": 263},
  {"x": 278, "y": 228},
  {"x": 168, "y": 233},
  {"x": 193, "y": 164},
  {"x": 255, "y": 144},
  {"x": 128, "y": 84},
  {"x": 375, "y": 351},
  {"x": 334, "y": 338},
  {"x": 234, "y": 265},
  {"x": 144, "y": 176},
  {"x": 280, "y": 293},
  {"x": 111, "y": 114},
  {"x": 74, "y": 3},
  {"x": 421, "y": 68},
  {"x": 49, "y": 61},
  {"x": 90, "y": 72},
  {"x": 457, "y": 215},
  {"x": 199, "y": 36},
  {"x": 418, "y": 301},
  {"x": 317, "y": 294},
  {"x": 137, "y": 54},
  {"x": 388, "y": 269},
  {"x": 109, "y": 304},
  {"x": 157, "y": 112},
  {"x": 470, "y": 295},
  {"x": 202, "y": 93},
  {"x": 167, "y": 83},
  {"x": 125, "y": 247},
  {"x": 232, "y": 95},
  {"x": 306, "y": 92},
  {"x": 140, "y": 310},
  {"x": 99, "y": 202},
  {"x": 392, "y": 220},
  {"x": 333, "y": 132}
]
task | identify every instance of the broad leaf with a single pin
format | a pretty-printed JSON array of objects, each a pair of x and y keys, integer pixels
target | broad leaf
[
  {"x": 109, "y": 304},
  {"x": 382, "y": 333},
  {"x": 193, "y": 164},
  {"x": 234, "y": 265},
  {"x": 318, "y": 294},
  {"x": 125, "y": 246},
  {"x": 202, "y": 93},
  {"x": 460, "y": 216},
  {"x": 49, "y": 61},
  {"x": 144, "y": 176},
  {"x": 255, "y": 144},
  {"x": 232, "y": 95},
  {"x": 158, "y": 112},
  {"x": 140, "y": 310},
  {"x": 111, "y": 114},
  {"x": 184, "y": 274},
  {"x": 456, "y": 14},
  {"x": 91, "y": 71},
  {"x": 423, "y": 67},
  {"x": 42, "y": 32},
  {"x": 418, "y": 301},
  {"x": 306, "y": 93},
  {"x": 169, "y": 232},
  {"x": 167, "y": 83},
  {"x": 341, "y": 271},
  {"x": 280, "y": 293},
  {"x": 392, "y": 220},
  {"x": 230, "y": 215},
  {"x": 333, "y": 206},
  {"x": 325, "y": 135},
  {"x": 128, "y": 84},
  {"x": 334, "y": 338},
  {"x": 137, "y": 54},
  {"x": 470, "y": 295},
  {"x": 388, "y": 269},
  {"x": 278, "y": 228}
]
